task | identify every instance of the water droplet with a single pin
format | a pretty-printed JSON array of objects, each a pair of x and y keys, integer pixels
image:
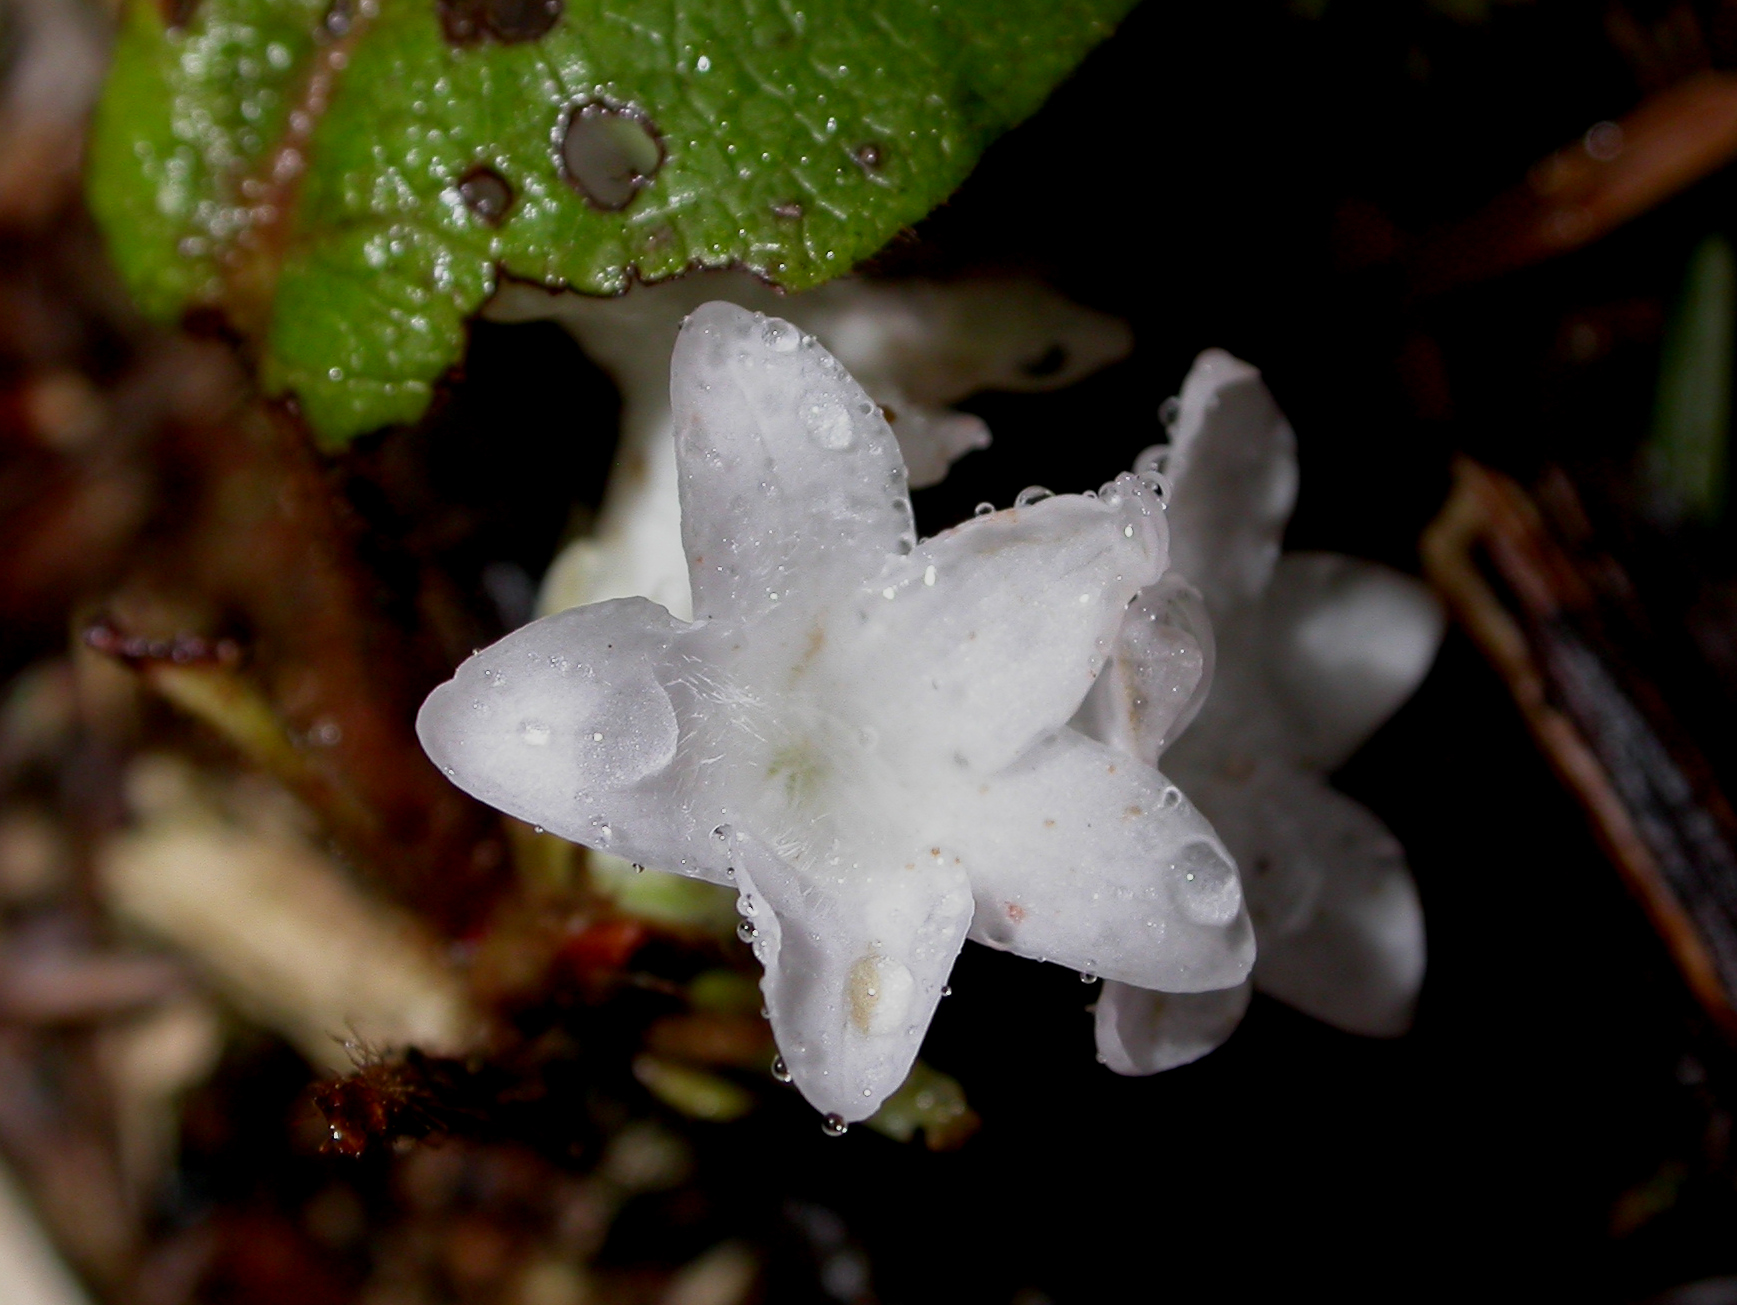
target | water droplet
[
  {"x": 746, "y": 931},
  {"x": 947, "y": 990},
  {"x": 1032, "y": 494},
  {"x": 1604, "y": 141},
  {"x": 746, "y": 905},
  {"x": 721, "y": 833},
  {"x": 983, "y": 509},
  {"x": 834, "y": 1126},
  {"x": 1086, "y": 976},
  {"x": 828, "y": 424},
  {"x": 929, "y": 576},
  {"x": 638, "y": 869},
  {"x": 703, "y": 64},
  {"x": 869, "y": 156},
  {"x": 1127, "y": 532},
  {"x": 609, "y": 153},
  {"x": 780, "y": 1070},
  {"x": 780, "y": 336}
]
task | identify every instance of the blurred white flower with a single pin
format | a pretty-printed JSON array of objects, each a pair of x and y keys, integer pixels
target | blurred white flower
[
  {"x": 865, "y": 735},
  {"x": 1314, "y": 652}
]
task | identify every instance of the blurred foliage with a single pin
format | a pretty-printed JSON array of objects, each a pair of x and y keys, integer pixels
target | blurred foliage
[
  {"x": 346, "y": 180},
  {"x": 1687, "y": 454},
  {"x": 931, "y": 1103}
]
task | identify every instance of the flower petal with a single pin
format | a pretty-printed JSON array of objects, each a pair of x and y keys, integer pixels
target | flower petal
[
  {"x": 855, "y": 964},
  {"x": 1232, "y": 465},
  {"x": 791, "y": 480},
  {"x": 992, "y": 633},
  {"x": 1158, "y": 674},
  {"x": 563, "y": 722},
  {"x": 1347, "y": 642},
  {"x": 1081, "y": 855},
  {"x": 1335, "y": 909},
  {"x": 1145, "y": 1032}
]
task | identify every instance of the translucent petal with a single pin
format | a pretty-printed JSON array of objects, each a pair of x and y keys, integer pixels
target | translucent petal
[
  {"x": 1232, "y": 466},
  {"x": 1347, "y": 642},
  {"x": 1081, "y": 855},
  {"x": 791, "y": 481},
  {"x": 855, "y": 964},
  {"x": 933, "y": 439},
  {"x": 564, "y": 724},
  {"x": 1145, "y": 1032},
  {"x": 992, "y": 633},
  {"x": 1158, "y": 674},
  {"x": 1335, "y": 909}
]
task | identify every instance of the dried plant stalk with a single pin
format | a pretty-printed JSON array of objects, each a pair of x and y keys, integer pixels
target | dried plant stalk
[
  {"x": 1648, "y": 795},
  {"x": 1587, "y": 189}
]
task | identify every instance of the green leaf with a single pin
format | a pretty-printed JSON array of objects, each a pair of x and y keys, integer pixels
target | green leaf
[
  {"x": 931, "y": 1103},
  {"x": 1686, "y": 455},
  {"x": 345, "y": 180}
]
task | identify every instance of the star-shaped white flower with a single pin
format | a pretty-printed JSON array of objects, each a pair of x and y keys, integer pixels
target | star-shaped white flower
[
  {"x": 1313, "y": 652},
  {"x": 866, "y": 735}
]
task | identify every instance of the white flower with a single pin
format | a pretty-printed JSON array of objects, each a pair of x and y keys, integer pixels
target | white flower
[
  {"x": 916, "y": 346},
  {"x": 866, "y": 735},
  {"x": 1314, "y": 651}
]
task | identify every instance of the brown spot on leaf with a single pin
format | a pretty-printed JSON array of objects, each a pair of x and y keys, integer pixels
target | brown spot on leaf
[{"x": 471, "y": 22}]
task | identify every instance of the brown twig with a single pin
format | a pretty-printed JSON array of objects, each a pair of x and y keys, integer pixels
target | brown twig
[
  {"x": 1648, "y": 797},
  {"x": 1587, "y": 189}
]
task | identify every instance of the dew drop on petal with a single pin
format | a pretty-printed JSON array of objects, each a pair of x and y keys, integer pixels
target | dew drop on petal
[
  {"x": 834, "y": 1126},
  {"x": 827, "y": 423},
  {"x": 1032, "y": 494},
  {"x": 1207, "y": 887},
  {"x": 780, "y": 336},
  {"x": 746, "y": 931},
  {"x": 780, "y": 1070},
  {"x": 983, "y": 509}
]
